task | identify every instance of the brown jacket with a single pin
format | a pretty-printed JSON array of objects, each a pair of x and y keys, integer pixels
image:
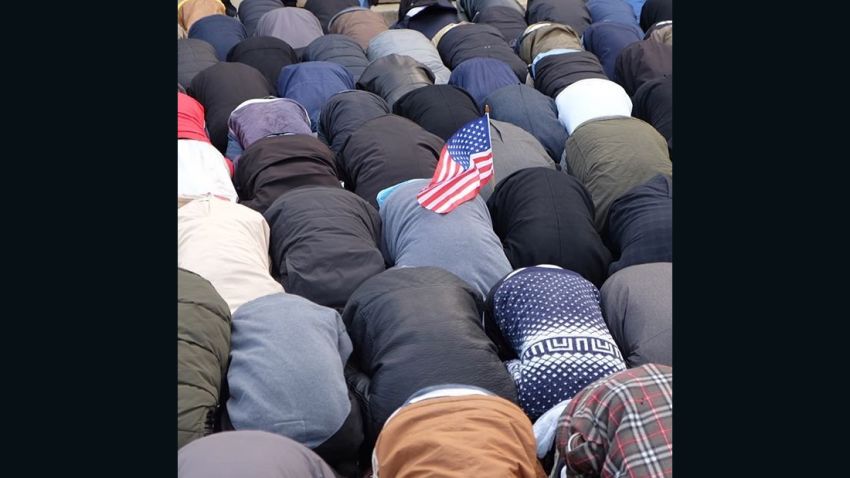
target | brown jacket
[
  {"x": 190, "y": 11},
  {"x": 360, "y": 24},
  {"x": 457, "y": 437}
]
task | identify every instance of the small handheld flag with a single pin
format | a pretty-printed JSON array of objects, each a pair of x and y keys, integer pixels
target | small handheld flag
[{"x": 465, "y": 165}]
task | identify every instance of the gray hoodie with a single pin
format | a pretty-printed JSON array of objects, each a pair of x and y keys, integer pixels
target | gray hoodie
[
  {"x": 286, "y": 370},
  {"x": 461, "y": 242}
]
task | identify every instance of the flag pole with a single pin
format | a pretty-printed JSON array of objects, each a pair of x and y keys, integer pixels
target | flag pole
[{"x": 487, "y": 114}]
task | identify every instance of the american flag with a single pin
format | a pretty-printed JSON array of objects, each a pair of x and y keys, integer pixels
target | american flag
[{"x": 465, "y": 165}]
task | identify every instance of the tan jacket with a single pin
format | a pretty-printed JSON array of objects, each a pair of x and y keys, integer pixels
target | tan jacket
[
  {"x": 457, "y": 437},
  {"x": 190, "y": 11},
  {"x": 544, "y": 36},
  {"x": 227, "y": 244}
]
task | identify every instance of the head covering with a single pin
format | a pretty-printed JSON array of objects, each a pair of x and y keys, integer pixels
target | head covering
[
  {"x": 573, "y": 13},
  {"x": 464, "y": 429},
  {"x": 249, "y": 454},
  {"x": 190, "y": 11},
  {"x": 440, "y": 109},
  {"x": 413, "y": 44},
  {"x": 250, "y": 12},
  {"x": 603, "y": 11},
  {"x": 447, "y": 344},
  {"x": 296, "y": 26},
  {"x": 655, "y": 11},
  {"x": 392, "y": 76},
  {"x": 361, "y": 24},
  {"x": 220, "y": 31},
  {"x": 254, "y": 120},
  {"x": 471, "y": 40},
  {"x": 312, "y": 83},
  {"x": 513, "y": 149},
  {"x": 606, "y": 41},
  {"x": 385, "y": 151},
  {"x": 640, "y": 224},
  {"x": 481, "y": 76},
  {"x": 272, "y": 387},
  {"x": 622, "y": 424},
  {"x": 227, "y": 244},
  {"x": 201, "y": 170},
  {"x": 551, "y": 319},
  {"x": 641, "y": 62},
  {"x": 324, "y": 10},
  {"x": 415, "y": 236},
  {"x": 653, "y": 103},
  {"x": 662, "y": 32},
  {"x": 556, "y": 72},
  {"x": 267, "y": 54},
  {"x": 345, "y": 112},
  {"x": 193, "y": 57},
  {"x": 637, "y": 303},
  {"x": 324, "y": 243},
  {"x": 221, "y": 88},
  {"x": 590, "y": 99},
  {"x": 532, "y": 111},
  {"x": 190, "y": 119},
  {"x": 611, "y": 156},
  {"x": 542, "y": 37},
  {"x": 203, "y": 346},
  {"x": 544, "y": 216},
  {"x": 338, "y": 49},
  {"x": 272, "y": 166},
  {"x": 426, "y": 16}
]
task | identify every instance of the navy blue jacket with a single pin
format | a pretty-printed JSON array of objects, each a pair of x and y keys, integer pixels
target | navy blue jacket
[
  {"x": 606, "y": 41},
  {"x": 220, "y": 31},
  {"x": 532, "y": 111},
  {"x": 312, "y": 83},
  {"x": 640, "y": 224}
]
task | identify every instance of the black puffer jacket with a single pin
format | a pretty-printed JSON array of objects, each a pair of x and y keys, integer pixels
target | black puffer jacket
[
  {"x": 386, "y": 151},
  {"x": 653, "y": 103},
  {"x": 392, "y": 76},
  {"x": 509, "y": 21},
  {"x": 267, "y": 54},
  {"x": 275, "y": 165},
  {"x": 544, "y": 216},
  {"x": 415, "y": 327},
  {"x": 568, "y": 12},
  {"x": 345, "y": 112},
  {"x": 436, "y": 15},
  {"x": 339, "y": 49},
  {"x": 324, "y": 243},
  {"x": 473, "y": 40},
  {"x": 440, "y": 109},
  {"x": 221, "y": 88},
  {"x": 556, "y": 72},
  {"x": 642, "y": 62}
]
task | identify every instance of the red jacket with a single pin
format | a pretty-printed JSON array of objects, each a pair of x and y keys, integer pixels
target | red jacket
[{"x": 190, "y": 119}]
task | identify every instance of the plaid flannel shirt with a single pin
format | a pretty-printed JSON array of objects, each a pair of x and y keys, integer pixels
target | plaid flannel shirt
[{"x": 621, "y": 426}]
